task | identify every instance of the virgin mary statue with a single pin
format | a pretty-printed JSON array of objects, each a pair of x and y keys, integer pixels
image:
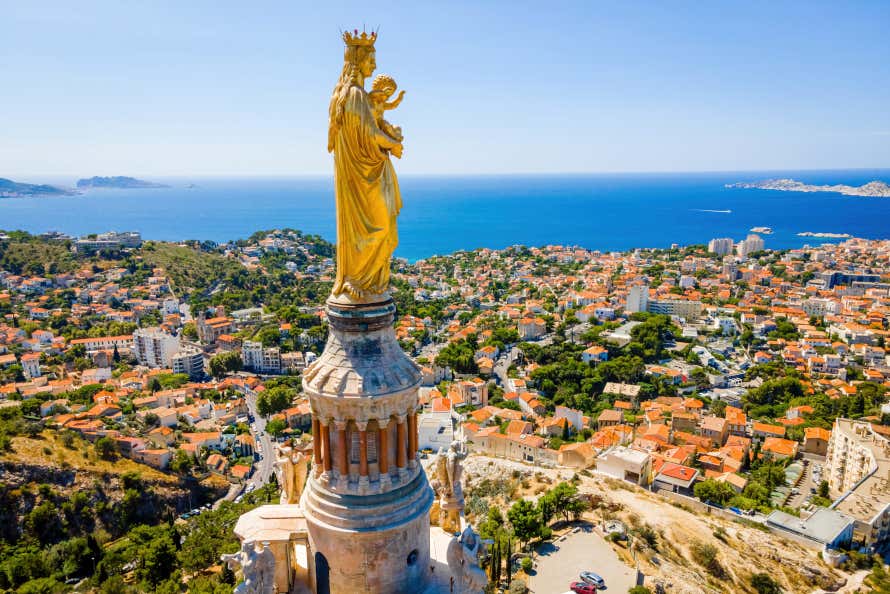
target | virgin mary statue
[{"x": 367, "y": 191}]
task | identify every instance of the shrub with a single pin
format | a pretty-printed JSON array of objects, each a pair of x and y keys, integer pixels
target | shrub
[
  {"x": 518, "y": 586},
  {"x": 764, "y": 584},
  {"x": 526, "y": 564},
  {"x": 706, "y": 555}
]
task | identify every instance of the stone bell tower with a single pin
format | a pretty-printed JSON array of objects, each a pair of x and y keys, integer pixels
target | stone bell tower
[{"x": 367, "y": 500}]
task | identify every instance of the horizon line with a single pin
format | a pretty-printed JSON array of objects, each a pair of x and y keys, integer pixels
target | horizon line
[{"x": 243, "y": 175}]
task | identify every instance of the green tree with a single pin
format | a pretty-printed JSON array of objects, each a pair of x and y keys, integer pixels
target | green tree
[
  {"x": 713, "y": 491},
  {"x": 106, "y": 448},
  {"x": 525, "y": 519},
  {"x": 276, "y": 427},
  {"x": 225, "y": 363},
  {"x": 181, "y": 463}
]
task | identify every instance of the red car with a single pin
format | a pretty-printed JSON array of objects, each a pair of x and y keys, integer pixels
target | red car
[{"x": 583, "y": 588}]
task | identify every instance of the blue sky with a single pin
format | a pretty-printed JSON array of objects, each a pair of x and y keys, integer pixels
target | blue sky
[{"x": 241, "y": 88}]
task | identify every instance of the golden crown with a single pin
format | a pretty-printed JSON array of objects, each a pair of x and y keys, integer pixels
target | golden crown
[{"x": 354, "y": 39}]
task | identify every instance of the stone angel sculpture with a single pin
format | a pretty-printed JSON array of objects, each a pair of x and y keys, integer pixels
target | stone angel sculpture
[
  {"x": 257, "y": 567},
  {"x": 463, "y": 555},
  {"x": 292, "y": 471}
]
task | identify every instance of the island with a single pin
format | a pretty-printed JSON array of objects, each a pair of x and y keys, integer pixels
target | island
[
  {"x": 875, "y": 188},
  {"x": 826, "y": 235},
  {"x": 11, "y": 189},
  {"x": 118, "y": 182}
]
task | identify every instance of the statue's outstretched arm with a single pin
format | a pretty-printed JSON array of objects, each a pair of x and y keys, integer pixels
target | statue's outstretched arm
[{"x": 395, "y": 102}]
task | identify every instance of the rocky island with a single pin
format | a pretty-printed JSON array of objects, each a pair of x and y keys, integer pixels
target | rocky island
[
  {"x": 11, "y": 189},
  {"x": 872, "y": 189},
  {"x": 117, "y": 182}
]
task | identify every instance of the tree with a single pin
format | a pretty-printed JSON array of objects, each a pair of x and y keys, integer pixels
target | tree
[
  {"x": 526, "y": 521},
  {"x": 276, "y": 427},
  {"x": 764, "y": 584},
  {"x": 181, "y": 463},
  {"x": 225, "y": 363},
  {"x": 823, "y": 489},
  {"x": 106, "y": 448},
  {"x": 275, "y": 400},
  {"x": 713, "y": 491},
  {"x": 562, "y": 500}
]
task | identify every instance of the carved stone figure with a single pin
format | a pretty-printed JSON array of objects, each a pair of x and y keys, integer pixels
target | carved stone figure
[
  {"x": 463, "y": 554},
  {"x": 366, "y": 187},
  {"x": 449, "y": 469},
  {"x": 257, "y": 567},
  {"x": 291, "y": 470}
]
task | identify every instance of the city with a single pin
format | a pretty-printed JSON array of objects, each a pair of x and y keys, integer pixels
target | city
[{"x": 728, "y": 379}]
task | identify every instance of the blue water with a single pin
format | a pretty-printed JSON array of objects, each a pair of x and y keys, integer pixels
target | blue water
[{"x": 444, "y": 214}]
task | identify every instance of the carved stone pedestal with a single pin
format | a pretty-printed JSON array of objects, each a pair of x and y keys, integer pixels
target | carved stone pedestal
[{"x": 370, "y": 533}]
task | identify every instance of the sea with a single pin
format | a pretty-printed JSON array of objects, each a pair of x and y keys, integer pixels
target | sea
[{"x": 441, "y": 215}]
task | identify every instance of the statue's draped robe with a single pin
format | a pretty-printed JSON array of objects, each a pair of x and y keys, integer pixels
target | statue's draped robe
[{"x": 368, "y": 201}]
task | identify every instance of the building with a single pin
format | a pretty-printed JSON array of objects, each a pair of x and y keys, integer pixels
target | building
[
  {"x": 815, "y": 440},
  {"x": 857, "y": 467},
  {"x": 682, "y": 308},
  {"x": 826, "y": 527},
  {"x": 209, "y": 330},
  {"x": 105, "y": 343},
  {"x": 721, "y": 247},
  {"x": 637, "y": 298},
  {"x": 108, "y": 241},
  {"x": 189, "y": 360},
  {"x": 435, "y": 430},
  {"x": 532, "y": 328},
  {"x": 260, "y": 359},
  {"x": 676, "y": 478},
  {"x": 626, "y": 464},
  {"x": 31, "y": 365},
  {"x": 154, "y": 348},
  {"x": 751, "y": 244}
]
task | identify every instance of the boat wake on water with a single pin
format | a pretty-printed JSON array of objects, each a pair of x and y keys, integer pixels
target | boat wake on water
[{"x": 727, "y": 211}]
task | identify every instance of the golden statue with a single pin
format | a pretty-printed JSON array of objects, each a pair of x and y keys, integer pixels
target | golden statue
[{"x": 365, "y": 184}]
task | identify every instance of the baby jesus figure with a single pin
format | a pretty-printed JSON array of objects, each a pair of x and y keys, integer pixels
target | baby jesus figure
[{"x": 381, "y": 90}]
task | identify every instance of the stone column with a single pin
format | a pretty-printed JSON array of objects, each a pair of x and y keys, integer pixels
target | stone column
[
  {"x": 401, "y": 447},
  {"x": 342, "y": 451},
  {"x": 383, "y": 452},
  {"x": 362, "y": 448},
  {"x": 363, "y": 483},
  {"x": 412, "y": 439},
  {"x": 316, "y": 442},
  {"x": 326, "y": 445}
]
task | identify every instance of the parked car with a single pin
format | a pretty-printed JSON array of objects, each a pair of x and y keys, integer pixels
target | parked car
[
  {"x": 582, "y": 588},
  {"x": 593, "y": 578}
]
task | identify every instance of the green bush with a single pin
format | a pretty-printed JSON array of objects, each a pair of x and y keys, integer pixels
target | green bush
[{"x": 526, "y": 564}]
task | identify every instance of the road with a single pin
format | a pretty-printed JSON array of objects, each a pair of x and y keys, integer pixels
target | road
[
  {"x": 559, "y": 564},
  {"x": 265, "y": 447},
  {"x": 502, "y": 365}
]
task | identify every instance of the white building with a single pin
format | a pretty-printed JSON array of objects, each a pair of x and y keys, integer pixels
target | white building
[
  {"x": 154, "y": 348},
  {"x": 857, "y": 466},
  {"x": 190, "y": 361},
  {"x": 720, "y": 246},
  {"x": 575, "y": 417},
  {"x": 682, "y": 308},
  {"x": 31, "y": 365},
  {"x": 637, "y": 298},
  {"x": 625, "y": 464},
  {"x": 434, "y": 431},
  {"x": 259, "y": 359},
  {"x": 752, "y": 243}
]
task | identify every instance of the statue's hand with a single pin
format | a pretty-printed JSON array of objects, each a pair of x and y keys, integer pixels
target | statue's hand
[
  {"x": 397, "y": 151},
  {"x": 401, "y": 95}
]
